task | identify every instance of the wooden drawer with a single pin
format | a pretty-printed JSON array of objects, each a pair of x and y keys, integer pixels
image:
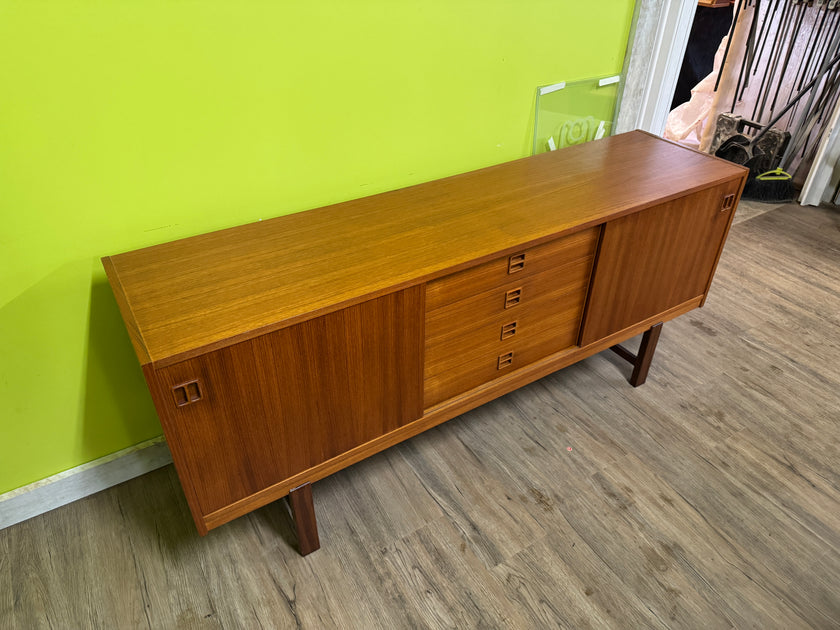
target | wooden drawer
[
  {"x": 514, "y": 268},
  {"x": 456, "y": 327},
  {"x": 467, "y": 342}
]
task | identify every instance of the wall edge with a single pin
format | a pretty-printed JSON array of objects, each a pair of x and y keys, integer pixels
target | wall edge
[{"x": 77, "y": 483}]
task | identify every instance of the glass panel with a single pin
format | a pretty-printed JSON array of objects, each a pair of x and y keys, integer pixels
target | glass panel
[{"x": 574, "y": 113}]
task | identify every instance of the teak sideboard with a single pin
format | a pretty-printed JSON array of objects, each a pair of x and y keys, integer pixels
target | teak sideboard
[{"x": 282, "y": 351}]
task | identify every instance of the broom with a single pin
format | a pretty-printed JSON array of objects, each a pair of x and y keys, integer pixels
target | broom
[{"x": 776, "y": 186}]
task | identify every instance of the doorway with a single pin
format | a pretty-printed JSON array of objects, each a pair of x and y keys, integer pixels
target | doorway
[{"x": 777, "y": 76}]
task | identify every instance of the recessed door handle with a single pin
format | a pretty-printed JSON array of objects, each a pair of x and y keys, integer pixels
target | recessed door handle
[
  {"x": 516, "y": 263},
  {"x": 505, "y": 360},
  {"x": 187, "y": 393},
  {"x": 508, "y": 330},
  {"x": 513, "y": 297}
]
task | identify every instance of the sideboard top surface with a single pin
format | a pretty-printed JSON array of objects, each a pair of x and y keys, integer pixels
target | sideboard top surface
[{"x": 215, "y": 289}]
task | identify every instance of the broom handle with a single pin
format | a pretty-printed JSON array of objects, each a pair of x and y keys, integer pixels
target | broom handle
[
  {"x": 799, "y": 95},
  {"x": 833, "y": 47}
]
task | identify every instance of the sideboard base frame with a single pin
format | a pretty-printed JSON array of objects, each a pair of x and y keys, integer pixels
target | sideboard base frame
[{"x": 641, "y": 361}]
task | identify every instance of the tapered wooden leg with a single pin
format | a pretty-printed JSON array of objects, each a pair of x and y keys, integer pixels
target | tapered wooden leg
[
  {"x": 641, "y": 361},
  {"x": 645, "y": 355},
  {"x": 303, "y": 512}
]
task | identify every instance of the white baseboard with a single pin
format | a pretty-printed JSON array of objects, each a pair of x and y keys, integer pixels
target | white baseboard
[{"x": 74, "y": 484}]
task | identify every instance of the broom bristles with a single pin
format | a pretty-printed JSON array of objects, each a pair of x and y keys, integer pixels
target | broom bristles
[{"x": 774, "y": 186}]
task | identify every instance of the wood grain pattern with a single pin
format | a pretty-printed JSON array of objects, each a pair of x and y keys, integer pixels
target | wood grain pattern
[
  {"x": 131, "y": 324},
  {"x": 216, "y": 289},
  {"x": 709, "y": 498},
  {"x": 463, "y": 340},
  {"x": 280, "y": 404},
  {"x": 654, "y": 259},
  {"x": 552, "y": 256},
  {"x": 486, "y": 319}
]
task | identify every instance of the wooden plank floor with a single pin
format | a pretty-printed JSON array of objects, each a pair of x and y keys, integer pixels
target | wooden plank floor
[{"x": 707, "y": 498}]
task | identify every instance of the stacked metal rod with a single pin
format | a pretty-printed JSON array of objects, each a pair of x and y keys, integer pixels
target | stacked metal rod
[{"x": 791, "y": 44}]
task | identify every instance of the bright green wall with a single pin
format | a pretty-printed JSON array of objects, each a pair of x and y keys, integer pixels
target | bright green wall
[{"x": 126, "y": 123}]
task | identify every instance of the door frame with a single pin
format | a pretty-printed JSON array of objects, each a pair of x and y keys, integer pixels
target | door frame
[
  {"x": 655, "y": 49},
  {"x": 658, "y": 38}
]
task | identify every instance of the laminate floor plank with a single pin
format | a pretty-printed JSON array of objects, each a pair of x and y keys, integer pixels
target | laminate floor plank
[
  {"x": 384, "y": 501},
  {"x": 290, "y": 591},
  {"x": 748, "y": 209},
  {"x": 639, "y": 555},
  {"x": 561, "y": 500},
  {"x": 713, "y": 482},
  {"x": 680, "y": 463},
  {"x": 33, "y": 605},
  {"x": 687, "y": 414},
  {"x": 444, "y": 584},
  {"x": 766, "y": 393},
  {"x": 814, "y": 346},
  {"x": 359, "y": 590},
  {"x": 748, "y": 520},
  {"x": 479, "y": 502},
  {"x": 553, "y": 420},
  {"x": 796, "y": 233},
  {"x": 776, "y": 273},
  {"x": 533, "y": 428},
  {"x": 167, "y": 555},
  {"x": 666, "y": 440},
  {"x": 792, "y": 408},
  {"x": 724, "y": 571},
  {"x": 561, "y": 582},
  {"x": 254, "y": 595},
  {"x": 65, "y": 576},
  {"x": 707, "y": 498},
  {"x": 7, "y": 586},
  {"x": 802, "y": 292},
  {"x": 801, "y": 495},
  {"x": 819, "y": 590}
]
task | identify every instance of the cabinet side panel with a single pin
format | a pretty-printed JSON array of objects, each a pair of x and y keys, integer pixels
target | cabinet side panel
[
  {"x": 163, "y": 406},
  {"x": 652, "y": 260},
  {"x": 131, "y": 326},
  {"x": 274, "y": 406}
]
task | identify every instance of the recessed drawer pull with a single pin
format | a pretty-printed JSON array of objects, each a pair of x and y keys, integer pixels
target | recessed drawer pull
[
  {"x": 186, "y": 393},
  {"x": 508, "y": 330},
  {"x": 516, "y": 263},
  {"x": 513, "y": 297},
  {"x": 728, "y": 202},
  {"x": 505, "y": 360}
]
